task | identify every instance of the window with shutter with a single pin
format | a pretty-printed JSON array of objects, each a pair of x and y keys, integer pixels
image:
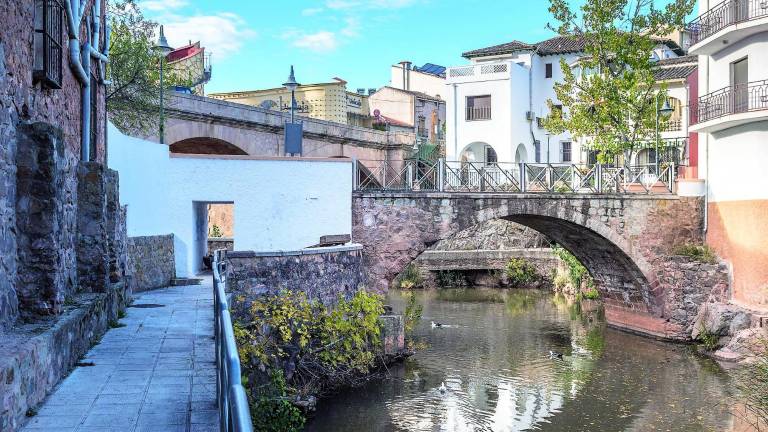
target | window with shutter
[{"x": 49, "y": 34}]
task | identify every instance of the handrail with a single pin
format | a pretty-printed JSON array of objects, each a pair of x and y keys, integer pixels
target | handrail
[
  {"x": 234, "y": 412},
  {"x": 723, "y": 15},
  {"x": 734, "y": 99},
  {"x": 511, "y": 177}
]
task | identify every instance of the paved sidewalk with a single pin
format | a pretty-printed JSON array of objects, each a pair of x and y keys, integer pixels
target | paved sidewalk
[{"x": 155, "y": 374}]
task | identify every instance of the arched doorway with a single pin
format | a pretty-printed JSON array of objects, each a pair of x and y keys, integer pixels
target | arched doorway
[{"x": 521, "y": 154}]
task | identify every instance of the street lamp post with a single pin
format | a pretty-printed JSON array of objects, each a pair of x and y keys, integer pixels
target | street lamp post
[
  {"x": 162, "y": 48},
  {"x": 663, "y": 111},
  {"x": 292, "y": 85}
]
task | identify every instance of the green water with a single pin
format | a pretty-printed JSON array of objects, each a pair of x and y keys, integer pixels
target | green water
[{"x": 490, "y": 370}]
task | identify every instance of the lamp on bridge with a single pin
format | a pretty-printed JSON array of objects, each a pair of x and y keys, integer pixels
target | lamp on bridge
[
  {"x": 293, "y": 130},
  {"x": 162, "y": 48},
  {"x": 665, "y": 111}
]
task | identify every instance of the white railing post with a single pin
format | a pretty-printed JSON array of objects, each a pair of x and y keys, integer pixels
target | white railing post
[
  {"x": 672, "y": 177},
  {"x": 523, "y": 182},
  {"x": 599, "y": 178},
  {"x": 441, "y": 174},
  {"x": 409, "y": 165},
  {"x": 355, "y": 175}
]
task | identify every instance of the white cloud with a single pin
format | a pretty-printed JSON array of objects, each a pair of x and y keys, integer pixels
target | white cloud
[
  {"x": 222, "y": 34},
  {"x": 369, "y": 4},
  {"x": 311, "y": 11},
  {"x": 353, "y": 27},
  {"x": 161, "y": 5},
  {"x": 320, "y": 42}
]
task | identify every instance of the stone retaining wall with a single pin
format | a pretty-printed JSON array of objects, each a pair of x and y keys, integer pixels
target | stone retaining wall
[
  {"x": 151, "y": 261},
  {"x": 322, "y": 273}
]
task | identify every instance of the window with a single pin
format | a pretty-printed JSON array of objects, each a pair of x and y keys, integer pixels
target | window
[
  {"x": 478, "y": 107},
  {"x": 565, "y": 151},
  {"x": 422, "y": 127},
  {"x": 548, "y": 70},
  {"x": 490, "y": 156},
  {"x": 48, "y": 41}
]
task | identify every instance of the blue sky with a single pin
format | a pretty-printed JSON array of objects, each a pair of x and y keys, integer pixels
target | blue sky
[{"x": 255, "y": 41}]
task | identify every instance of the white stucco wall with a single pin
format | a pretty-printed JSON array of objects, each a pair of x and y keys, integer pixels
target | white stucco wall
[
  {"x": 732, "y": 176},
  {"x": 420, "y": 82},
  {"x": 279, "y": 203}
]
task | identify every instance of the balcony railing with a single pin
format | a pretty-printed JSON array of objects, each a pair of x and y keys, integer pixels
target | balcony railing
[
  {"x": 478, "y": 113},
  {"x": 734, "y": 99},
  {"x": 672, "y": 126},
  {"x": 725, "y": 14}
]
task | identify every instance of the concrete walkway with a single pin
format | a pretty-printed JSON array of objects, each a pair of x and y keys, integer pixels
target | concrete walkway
[{"x": 155, "y": 374}]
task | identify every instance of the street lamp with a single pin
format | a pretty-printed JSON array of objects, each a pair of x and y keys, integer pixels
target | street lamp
[
  {"x": 292, "y": 85},
  {"x": 664, "y": 111},
  {"x": 161, "y": 47}
]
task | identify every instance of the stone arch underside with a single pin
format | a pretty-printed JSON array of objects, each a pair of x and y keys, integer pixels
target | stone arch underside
[{"x": 205, "y": 145}]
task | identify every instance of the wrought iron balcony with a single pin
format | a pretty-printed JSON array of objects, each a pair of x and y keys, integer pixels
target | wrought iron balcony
[
  {"x": 725, "y": 14},
  {"x": 672, "y": 126},
  {"x": 735, "y": 99}
]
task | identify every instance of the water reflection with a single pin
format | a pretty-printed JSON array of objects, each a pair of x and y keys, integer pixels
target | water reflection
[{"x": 491, "y": 371}]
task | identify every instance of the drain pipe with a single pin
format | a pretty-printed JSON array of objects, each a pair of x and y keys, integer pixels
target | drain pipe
[
  {"x": 530, "y": 108},
  {"x": 85, "y": 97}
]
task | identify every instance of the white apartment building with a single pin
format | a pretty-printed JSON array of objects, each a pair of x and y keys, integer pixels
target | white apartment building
[
  {"x": 731, "y": 117},
  {"x": 496, "y": 103}
]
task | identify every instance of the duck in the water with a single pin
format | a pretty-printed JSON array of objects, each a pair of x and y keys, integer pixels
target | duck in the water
[
  {"x": 436, "y": 325},
  {"x": 443, "y": 389},
  {"x": 555, "y": 355}
]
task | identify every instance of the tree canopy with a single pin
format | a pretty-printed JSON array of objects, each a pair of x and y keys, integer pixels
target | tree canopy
[{"x": 610, "y": 96}]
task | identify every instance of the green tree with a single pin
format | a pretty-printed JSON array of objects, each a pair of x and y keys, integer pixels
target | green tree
[
  {"x": 610, "y": 97},
  {"x": 133, "y": 95}
]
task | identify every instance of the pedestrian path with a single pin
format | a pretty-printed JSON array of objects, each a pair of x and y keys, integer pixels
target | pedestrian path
[{"x": 157, "y": 373}]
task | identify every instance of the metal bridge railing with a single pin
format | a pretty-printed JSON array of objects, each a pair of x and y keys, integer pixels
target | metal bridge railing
[
  {"x": 234, "y": 412},
  {"x": 500, "y": 177}
]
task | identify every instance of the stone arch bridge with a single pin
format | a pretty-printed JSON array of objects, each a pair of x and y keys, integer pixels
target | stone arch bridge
[
  {"x": 625, "y": 241},
  {"x": 201, "y": 125}
]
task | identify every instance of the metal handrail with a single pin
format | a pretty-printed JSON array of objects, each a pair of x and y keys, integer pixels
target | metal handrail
[
  {"x": 734, "y": 99},
  {"x": 234, "y": 412},
  {"x": 509, "y": 177}
]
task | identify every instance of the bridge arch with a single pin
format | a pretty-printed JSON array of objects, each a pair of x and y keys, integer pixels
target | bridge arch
[
  {"x": 625, "y": 243},
  {"x": 205, "y": 145}
]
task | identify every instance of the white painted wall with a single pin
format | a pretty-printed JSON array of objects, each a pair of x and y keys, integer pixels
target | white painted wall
[
  {"x": 279, "y": 204},
  {"x": 420, "y": 82},
  {"x": 732, "y": 176},
  {"x": 393, "y": 104}
]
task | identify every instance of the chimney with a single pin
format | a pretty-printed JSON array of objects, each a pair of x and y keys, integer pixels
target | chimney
[
  {"x": 361, "y": 91},
  {"x": 371, "y": 91},
  {"x": 406, "y": 74}
]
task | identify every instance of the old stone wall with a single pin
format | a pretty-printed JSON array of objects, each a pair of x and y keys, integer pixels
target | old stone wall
[
  {"x": 496, "y": 234},
  {"x": 323, "y": 274},
  {"x": 216, "y": 243},
  {"x": 626, "y": 242},
  {"x": 151, "y": 261}
]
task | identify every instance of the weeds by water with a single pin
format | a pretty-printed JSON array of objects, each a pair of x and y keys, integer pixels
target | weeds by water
[{"x": 700, "y": 253}]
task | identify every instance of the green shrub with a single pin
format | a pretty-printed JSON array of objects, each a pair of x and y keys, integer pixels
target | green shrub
[
  {"x": 701, "y": 253},
  {"x": 270, "y": 409},
  {"x": 592, "y": 294},
  {"x": 520, "y": 272},
  {"x": 752, "y": 383},
  {"x": 708, "y": 340},
  {"x": 410, "y": 277},
  {"x": 450, "y": 279},
  {"x": 576, "y": 270},
  {"x": 216, "y": 231}
]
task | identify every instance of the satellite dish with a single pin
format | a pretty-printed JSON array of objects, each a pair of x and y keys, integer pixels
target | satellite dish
[
  {"x": 268, "y": 104},
  {"x": 376, "y": 113}
]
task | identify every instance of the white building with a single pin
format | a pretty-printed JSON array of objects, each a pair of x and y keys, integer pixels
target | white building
[
  {"x": 495, "y": 105},
  {"x": 731, "y": 117},
  {"x": 428, "y": 79}
]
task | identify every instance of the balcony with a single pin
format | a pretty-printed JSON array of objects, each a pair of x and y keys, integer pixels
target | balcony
[
  {"x": 479, "y": 72},
  {"x": 731, "y": 106},
  {"x": 672, "y": 126},
  {"x": 478, "y": 113},
  {"x": 727, "y": 23}
]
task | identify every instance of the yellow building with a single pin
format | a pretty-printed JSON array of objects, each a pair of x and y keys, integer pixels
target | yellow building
[{"x": 324, "y": 101}]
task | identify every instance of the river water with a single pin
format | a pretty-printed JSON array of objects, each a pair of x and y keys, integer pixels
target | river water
[{"x": 489, "y": 369}]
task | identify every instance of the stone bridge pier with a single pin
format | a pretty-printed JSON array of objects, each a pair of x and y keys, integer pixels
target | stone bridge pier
[{"x": 625, "y": 241}]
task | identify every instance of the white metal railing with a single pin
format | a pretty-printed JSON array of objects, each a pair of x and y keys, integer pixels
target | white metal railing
[
  {"x": 725, "y": 14},
  {"x": 478, "y": 113},
  {"x": 234, "y": 412},
  {"x": 478, "y": 70},
  {"x": 510, "y": 177}
]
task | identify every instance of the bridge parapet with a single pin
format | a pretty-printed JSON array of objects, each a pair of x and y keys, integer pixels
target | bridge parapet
[
  {"x": 509, "y": 177},
  {"x": 209, "y": 110}
]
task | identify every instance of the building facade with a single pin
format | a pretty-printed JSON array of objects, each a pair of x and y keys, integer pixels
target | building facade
[
  {"x": 731, "y": 118},
  {"x": 324, "y": 101},
  {"x": 497, "y": 103},
  {"x": 191, "y": 64},
  {"x": 409, "y": 110}
]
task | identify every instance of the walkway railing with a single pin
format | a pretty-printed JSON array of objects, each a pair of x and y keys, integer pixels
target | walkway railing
[
  {"x": 733, "y": 99},
  {"x": 724, "y": 14},
  {"x": 447, "y": 176},
  {"x": 234, "y": 413}
]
